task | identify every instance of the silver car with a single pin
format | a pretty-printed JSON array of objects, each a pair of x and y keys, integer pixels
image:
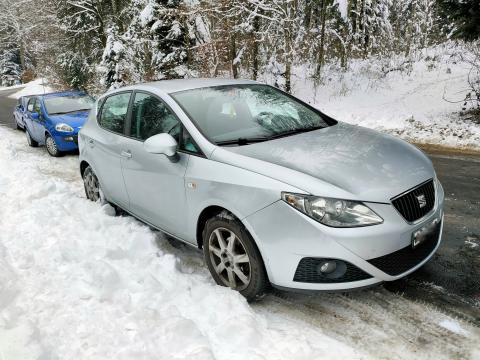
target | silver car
[{"x": 273, "y": 191}]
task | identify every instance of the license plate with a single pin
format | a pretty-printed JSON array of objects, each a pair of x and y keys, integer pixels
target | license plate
[{"x": 424, "y": 233}]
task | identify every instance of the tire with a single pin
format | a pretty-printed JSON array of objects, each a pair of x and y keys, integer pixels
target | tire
[
  {"x": 92, "y": 186},
  {"x": 239, "y": 266},
  {"x": 51, "y": 146},
  {"x": 30, "y": 141},
  {"x": 18, "y": 127}
]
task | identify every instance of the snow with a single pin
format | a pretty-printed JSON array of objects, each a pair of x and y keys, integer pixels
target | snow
[
  {"x": 452, "y": 326},
  {"x": 408, "y": 103},
  {"x": 35, "y": 87},
  {"x": 146, "y": 15},
  {"x": 11, "y": 87},
  {"x": 342, "y": 7},
  {"x": 77, "y": 282}
]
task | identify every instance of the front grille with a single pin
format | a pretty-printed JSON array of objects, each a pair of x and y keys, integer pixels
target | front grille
[
  {"x": 404, "y": 259},
  {"x": 75, "y": 139},
  {"x": 307, "y": 271},
  {"x": 408, "y": 204}
]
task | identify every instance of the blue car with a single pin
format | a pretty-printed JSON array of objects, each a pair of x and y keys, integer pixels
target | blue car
[
  {"x": 20, "y": 111},
  {"x": 54, "y": 120}
]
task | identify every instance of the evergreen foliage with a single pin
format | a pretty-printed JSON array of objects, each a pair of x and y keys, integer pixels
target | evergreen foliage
[{"x": 100, "y": 44}]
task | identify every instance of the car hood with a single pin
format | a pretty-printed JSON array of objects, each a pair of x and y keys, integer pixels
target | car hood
[
  {"x": 339, "y": 161},
  {"x": 75, "y": 120}
]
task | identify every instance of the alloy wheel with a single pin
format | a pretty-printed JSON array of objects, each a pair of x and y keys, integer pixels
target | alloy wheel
[
  {"x": 92, "y": 187},
  {"x": 229, "y": 258},
  {"x": 51, "y": 146}
]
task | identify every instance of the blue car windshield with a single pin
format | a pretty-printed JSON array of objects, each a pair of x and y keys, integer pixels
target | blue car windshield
[
  {"x": 68, "y": 104},
  {"x": 243, "y": 114}
]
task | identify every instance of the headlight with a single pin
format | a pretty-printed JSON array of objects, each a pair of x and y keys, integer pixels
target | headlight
[
  {"x": 333, "y": 212},
  {"x": 63, "y": 128}
]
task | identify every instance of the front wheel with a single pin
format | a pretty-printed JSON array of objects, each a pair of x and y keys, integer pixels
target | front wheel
[
  {"x": 233, "y": 257},
  {"x": 52, "y": 147}
]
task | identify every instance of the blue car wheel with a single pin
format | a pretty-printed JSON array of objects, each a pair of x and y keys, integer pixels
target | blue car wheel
[
  {"x": 52, "y": 147},
  {"x": 16, "y": 123}
]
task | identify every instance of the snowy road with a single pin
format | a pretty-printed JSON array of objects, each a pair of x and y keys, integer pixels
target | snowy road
[{"x": 77, "y": 283}]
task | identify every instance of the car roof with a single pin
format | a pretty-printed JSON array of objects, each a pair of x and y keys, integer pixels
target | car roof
[{"x": 171, "y": 86}]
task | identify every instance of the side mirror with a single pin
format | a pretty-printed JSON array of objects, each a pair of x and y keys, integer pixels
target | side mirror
[
  {"x": 35, "y": 115},
  {"x": 162, "y": 144}
]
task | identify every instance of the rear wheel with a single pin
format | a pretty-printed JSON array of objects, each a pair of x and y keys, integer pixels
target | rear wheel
[
  {"x": 17, "y": 124},
  {"x": 233, "y": 258},
  {"x": 92, "y": 185},
  {"x": 51, "y": 146},
  {"x": 30, "y": 141}
]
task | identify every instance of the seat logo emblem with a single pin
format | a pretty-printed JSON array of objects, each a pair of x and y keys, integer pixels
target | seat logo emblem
[{"x": 422, "y": 202}]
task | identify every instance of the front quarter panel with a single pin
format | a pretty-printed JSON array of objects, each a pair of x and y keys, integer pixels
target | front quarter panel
[{"x": 240, "y": 191}]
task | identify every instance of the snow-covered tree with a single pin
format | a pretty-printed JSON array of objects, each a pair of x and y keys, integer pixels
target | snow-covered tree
[
  {"x": 158, "y": 38},
  {"x": 10, "y": 71}
]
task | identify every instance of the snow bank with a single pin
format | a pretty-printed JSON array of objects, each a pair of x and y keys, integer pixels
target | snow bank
[
  {"x": 35, "y": 87},
  {"x": 78, "y": 283},
  {"x": 408, "y": 103}
]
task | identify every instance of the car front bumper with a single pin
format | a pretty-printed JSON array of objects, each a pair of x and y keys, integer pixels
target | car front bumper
[
  {"x": 66, "y": 141},
  {"x": 287, "y": 237}
]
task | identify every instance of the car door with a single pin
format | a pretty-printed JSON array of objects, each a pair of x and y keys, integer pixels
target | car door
[
  {"x": 17, "y": 113},
  {"x": 155, "y": 184},
  {"x": 29, "y": 123},
  {"x": 39, "y": 123},
  {"x": 106, "y": 144},
  {"x": 23, "y": 111}
]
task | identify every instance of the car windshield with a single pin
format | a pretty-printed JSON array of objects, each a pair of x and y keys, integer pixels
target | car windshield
[
  {"x": 243, "y": 114},
  {"x": 67, "y": 104}
]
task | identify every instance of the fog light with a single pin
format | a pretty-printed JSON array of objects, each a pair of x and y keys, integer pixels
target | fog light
[
  {"x": 68, "y": 138},
  {"x": 327, "y": 267}
]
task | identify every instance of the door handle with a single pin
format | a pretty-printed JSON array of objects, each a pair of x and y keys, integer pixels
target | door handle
[{"x": 127, "y": 154}]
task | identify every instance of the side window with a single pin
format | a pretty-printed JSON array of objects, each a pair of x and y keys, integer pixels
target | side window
[
  {"x": 30, "y": 105},
  {"x": 114, "y": 112},
  {"x": 36, "y": 107},
  {"x": 150, "y": 116},
  {"x": 188, "y": 144}
]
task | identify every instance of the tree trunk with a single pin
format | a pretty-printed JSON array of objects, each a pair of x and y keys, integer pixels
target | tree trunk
[
  {"x": 233, "y": 55},
  {"x": 256, "y": 29},
  {"x": 321, "y": 53},
  {"x": 288, "y": 48}
]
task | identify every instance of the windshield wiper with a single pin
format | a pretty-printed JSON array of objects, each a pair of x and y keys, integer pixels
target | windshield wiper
[
  {"x": 68, "y": 112},
  {"x": 295, "y": 131},
  {"x": 242, "y": 141}
]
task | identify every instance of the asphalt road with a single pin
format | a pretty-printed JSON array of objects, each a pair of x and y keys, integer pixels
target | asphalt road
[{"x": 451, "y": 279}]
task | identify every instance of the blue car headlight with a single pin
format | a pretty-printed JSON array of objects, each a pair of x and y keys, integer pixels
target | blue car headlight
[
  {"x": 333, "y": 212},
  {"x": 63, "y": 127}
]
